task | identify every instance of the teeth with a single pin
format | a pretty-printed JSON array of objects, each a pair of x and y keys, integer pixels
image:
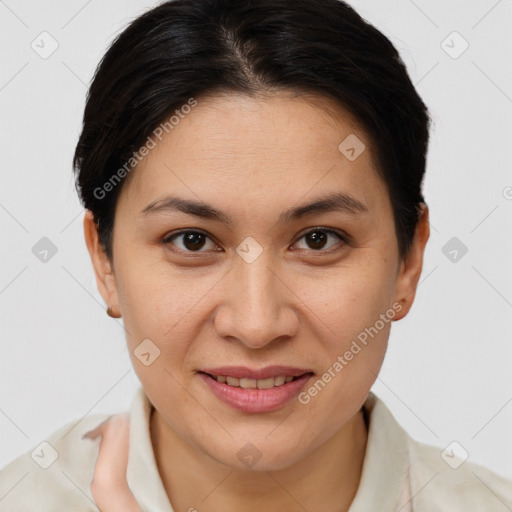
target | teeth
[
  {"x": 279, "y": 381},
  {"x": 254, "y": 383},
  {"x": 233, "y": 381},
  {"x": 248, "y": 383},
  {"x": 266, "y": 383}
]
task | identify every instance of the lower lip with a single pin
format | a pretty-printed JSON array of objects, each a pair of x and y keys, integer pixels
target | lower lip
[{"x": 256, "y": 400}]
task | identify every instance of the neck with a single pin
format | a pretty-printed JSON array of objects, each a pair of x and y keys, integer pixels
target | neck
[{"x": 327, "y": 479}]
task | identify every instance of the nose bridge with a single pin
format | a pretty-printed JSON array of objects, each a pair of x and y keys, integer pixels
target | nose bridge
[
  {"x": 257, "y": 286},
  {"x": 257, "y": 311}
]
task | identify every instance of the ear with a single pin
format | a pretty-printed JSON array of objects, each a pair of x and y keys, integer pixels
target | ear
[
  {"x": 103, "y": 268},
  {"x": 410, "y": 269}
]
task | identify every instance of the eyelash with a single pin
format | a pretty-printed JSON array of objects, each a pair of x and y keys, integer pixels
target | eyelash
[{"x": 344, "y": 238}]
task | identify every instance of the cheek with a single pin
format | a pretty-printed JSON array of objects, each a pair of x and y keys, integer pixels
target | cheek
[
  {"x": 350, "y": 300},
  {"x": 354, "y": 314},
  {"x": 162, "y": 304}
]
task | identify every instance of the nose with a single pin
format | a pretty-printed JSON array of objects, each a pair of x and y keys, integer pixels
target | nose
[{"x": 258, "y": 308}]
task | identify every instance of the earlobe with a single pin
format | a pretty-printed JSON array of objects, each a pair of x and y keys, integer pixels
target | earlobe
[
  {"x": 411, "y": 268},
  {"x": 102, "y": 266}
]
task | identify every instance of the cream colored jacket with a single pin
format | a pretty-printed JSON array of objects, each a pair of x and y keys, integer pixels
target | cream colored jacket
[{"x": 399, "y": 473}]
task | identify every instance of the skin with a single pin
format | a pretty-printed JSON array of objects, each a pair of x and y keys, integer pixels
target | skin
[
  {"x": 109, "y": 486},
  {"x": 298, "y": 304}
]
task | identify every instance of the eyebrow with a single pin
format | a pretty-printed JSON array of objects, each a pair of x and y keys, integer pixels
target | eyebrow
[{"x": 340, "y": 202}]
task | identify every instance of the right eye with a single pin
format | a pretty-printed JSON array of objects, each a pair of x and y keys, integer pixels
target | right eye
[{"x": 192, "y": 241}]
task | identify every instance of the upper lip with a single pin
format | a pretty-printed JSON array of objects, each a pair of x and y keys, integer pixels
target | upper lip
[{"x": 242, "y": 372}]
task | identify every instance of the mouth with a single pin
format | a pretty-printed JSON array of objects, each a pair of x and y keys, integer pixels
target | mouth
[{"x": 255, "y": 391}]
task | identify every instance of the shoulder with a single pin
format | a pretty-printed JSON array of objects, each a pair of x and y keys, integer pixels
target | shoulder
[
  {"x": 56, "y": 471},
  {"x": 444, "y": 480}
]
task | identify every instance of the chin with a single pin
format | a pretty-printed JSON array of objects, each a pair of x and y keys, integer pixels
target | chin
[{"x": 259, "y": 455}]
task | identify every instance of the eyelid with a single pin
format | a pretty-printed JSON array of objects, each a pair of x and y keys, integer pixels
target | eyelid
[
  {"x": 344, "y": 236},
  {"x": 184, "y": 231}
]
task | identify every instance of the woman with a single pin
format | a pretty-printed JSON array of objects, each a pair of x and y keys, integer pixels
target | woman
[{"x": 252, "y": 176}]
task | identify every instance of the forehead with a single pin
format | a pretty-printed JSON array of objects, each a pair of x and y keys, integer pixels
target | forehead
[{"x": 281, "y": 147}]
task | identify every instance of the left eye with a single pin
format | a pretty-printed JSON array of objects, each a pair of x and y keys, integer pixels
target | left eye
[
  {"x": 194, "y": 241},
  {"x": 317, "y": 238}
]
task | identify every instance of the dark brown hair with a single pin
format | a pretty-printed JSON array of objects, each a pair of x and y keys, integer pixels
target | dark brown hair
[{"x": 183, "y": 49}]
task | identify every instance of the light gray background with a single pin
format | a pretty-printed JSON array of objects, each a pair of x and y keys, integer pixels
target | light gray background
[{"x": 447, "y": 375}]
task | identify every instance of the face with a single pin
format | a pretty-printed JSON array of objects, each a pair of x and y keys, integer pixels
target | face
[{"x": 254, "y": 279}]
